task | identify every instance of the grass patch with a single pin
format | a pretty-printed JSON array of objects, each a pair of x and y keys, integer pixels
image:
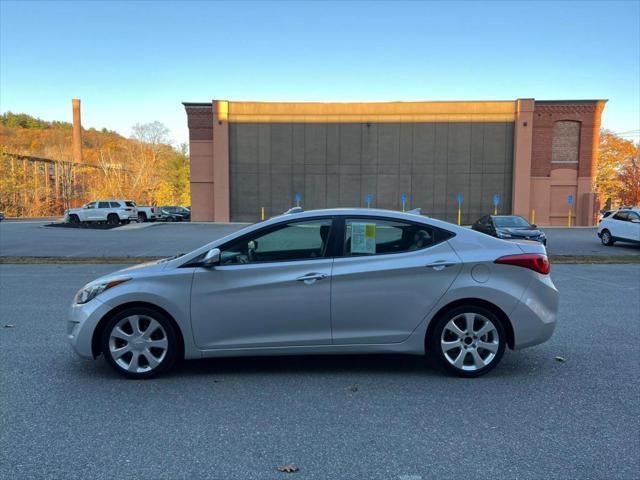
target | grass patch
[
  {"x": 594, "y": 259},
  {"x": 76, "y": 260}
]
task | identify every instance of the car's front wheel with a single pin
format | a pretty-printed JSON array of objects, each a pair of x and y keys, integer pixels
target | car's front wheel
[
  {"x": 606, "y": 238},
  {"x": 468, "y": 341},
  {"x": 140, "y": 343}
]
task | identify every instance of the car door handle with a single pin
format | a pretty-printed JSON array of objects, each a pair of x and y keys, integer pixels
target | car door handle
[
  {"x": 310, "y": 278},
  {"x": 440, "y": 265}
]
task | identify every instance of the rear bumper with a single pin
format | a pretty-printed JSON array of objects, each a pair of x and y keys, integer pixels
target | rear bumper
[{"x": 534, "y": 319}]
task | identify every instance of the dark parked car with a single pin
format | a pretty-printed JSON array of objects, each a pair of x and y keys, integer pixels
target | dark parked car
[
  {"x": 175, "y": 214},
  {"x": 509, "y": 226}
]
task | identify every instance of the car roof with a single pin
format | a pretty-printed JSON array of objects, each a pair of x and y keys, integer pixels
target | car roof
[{"x": 370, "y": 212}]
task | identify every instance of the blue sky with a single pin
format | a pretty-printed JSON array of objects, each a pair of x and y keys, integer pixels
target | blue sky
[{"x": 135, "y": 62}]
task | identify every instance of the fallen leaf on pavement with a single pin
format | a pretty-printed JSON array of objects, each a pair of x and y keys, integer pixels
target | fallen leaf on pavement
[
  {"x": 354, "y": 388},
  {"x": 290, "y": 468},
  {"x": 561, "y": 359},
  {"x": 8, "y": 325}
]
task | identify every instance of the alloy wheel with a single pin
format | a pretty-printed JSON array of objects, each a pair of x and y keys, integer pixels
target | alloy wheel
[
  {"x": 138, "y": 344},
  {"x": 469, "y": 341}
]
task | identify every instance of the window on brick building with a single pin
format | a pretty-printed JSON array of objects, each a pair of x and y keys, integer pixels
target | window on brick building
[{"x": 566, "y": 142}]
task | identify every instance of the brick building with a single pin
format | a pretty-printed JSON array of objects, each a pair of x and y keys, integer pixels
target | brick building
[{"x": 533, "y": 154}]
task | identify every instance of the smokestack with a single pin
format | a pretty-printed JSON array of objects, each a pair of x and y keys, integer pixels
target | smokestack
[{"x": 77, "y": 132}]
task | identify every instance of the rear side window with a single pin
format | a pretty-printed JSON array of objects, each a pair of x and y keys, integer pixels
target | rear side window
[
  {"x": 115, "y": 205},
  {"x": 366, "y": 236},
  {"x": 103, "y": 204},
  {"x": 130, "y": 204},
  {"x": 621, "y": 216}
]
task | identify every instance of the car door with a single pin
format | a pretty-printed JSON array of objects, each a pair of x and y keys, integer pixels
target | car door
[
  {"x": 632, "y": 227},
  {"x": 390, "y": 276},
  {"x": 86, "y": 213},
  {"x": 104, "y": 208},
  {"x": 618, "y": 224},
  {"x": 271, "y": 289}
]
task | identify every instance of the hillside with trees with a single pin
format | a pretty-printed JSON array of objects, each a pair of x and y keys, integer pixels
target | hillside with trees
[{"x": 145, "y": 168}]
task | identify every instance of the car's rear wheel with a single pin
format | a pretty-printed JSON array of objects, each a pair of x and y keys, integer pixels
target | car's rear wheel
[
  {"x": 606, "y": 238},
  {"x": 113, "y": 219},
  {"x": 140, "y": 343},
  {"x": 74, "y": 219},
  {"x": 170, "y": 219},
  {"x": 468, "y": 341},
  {"x": 142, "y": 217}
]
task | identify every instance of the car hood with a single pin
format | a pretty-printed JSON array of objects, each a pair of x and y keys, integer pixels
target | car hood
[
  {"x": 520, "y": 231},
  {"x": 142, "y": 269}
]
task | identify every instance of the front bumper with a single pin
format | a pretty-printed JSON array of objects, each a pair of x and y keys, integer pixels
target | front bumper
[
  {"x": 82, "y": 322},
  {"x": 534, "y": 319}
]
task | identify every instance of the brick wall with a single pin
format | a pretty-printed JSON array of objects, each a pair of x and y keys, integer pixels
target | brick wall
[{"x": 566, "y": 119}]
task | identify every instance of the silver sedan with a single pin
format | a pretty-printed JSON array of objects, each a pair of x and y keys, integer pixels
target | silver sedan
[{"x": 339, "y": 281}]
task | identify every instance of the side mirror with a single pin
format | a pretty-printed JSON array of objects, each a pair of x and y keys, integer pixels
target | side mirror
[
  {"x": 534, "y": 225},
  {"x": 212, "y": 258}
]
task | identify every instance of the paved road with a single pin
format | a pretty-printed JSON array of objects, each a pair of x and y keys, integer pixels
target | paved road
[
  {"x": 162, "y": 239},
  {"x": 531, "y": 418}
]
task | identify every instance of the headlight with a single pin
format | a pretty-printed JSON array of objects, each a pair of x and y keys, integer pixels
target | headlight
[
  {"x": 503, "y": 235},
  {"x": 91, "y": 290}
]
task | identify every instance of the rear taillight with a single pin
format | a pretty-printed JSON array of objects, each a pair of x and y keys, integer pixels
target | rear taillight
[{"x": 533, "y": 261}]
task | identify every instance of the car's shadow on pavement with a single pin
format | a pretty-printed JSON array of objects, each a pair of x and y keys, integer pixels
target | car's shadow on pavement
[{"x": 512, "y": 365}]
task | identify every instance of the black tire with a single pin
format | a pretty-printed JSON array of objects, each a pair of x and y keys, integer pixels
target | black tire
[
  {"x": 172, "y": 338},
  {"x": 73, "y": 218},
  {"x": 435, "y": 349},
  {"x": 170, "y": 219},
  {"x": 113, "y": 219},
  {"x": 606, "y": 238},
  {"x": 142, "y": 217}
]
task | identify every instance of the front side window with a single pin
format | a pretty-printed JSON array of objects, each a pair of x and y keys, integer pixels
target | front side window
[
  {"x": 90, "y": 205},
  {"x": 373, "y": 236},
  {"x": 304, "y": 240},
  {"x": 633, "y": 216},
  {"x": 115, "y": 205},
  {"x": 130, "y": 204}
]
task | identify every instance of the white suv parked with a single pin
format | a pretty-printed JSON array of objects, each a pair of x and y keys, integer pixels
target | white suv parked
[
  {"x": 111, "y": 211},
  {"x": 621, "y": 226}
]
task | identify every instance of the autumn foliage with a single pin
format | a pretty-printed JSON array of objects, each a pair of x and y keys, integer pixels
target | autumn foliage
[
  {"x": 145, "y": 168},
  {"x": 618, "y": 175}
]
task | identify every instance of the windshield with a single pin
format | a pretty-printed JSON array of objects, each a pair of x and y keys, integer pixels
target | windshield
[{"x": 508, "y": 222}]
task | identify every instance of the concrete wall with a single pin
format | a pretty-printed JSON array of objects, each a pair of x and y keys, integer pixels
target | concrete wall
[{"x": 338, "y": 164}]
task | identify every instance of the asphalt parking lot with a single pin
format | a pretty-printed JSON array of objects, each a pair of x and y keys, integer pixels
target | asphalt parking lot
[
  {"x": 388, "y": 417},
  {"x": 25, "y": 238}
]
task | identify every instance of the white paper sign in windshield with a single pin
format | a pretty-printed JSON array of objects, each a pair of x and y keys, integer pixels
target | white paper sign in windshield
[{"x": 363, "y": 237}]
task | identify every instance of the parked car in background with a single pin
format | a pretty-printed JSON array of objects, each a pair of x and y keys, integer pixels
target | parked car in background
[
  {"x": 622, "y": 226},
  {"x": 337, "y": 281},
  {"x": 149, "y": 214},
  {"x": 112, "y": 212},
  {"x": 1, "y": 216},
  {"x": 509, "y": 227},
  {"x": 176, "y": 214}
]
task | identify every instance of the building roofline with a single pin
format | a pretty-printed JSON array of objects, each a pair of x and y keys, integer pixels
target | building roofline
[
  {"x": 197, "y": 104},
  {"x": 582, "y": 101}
]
